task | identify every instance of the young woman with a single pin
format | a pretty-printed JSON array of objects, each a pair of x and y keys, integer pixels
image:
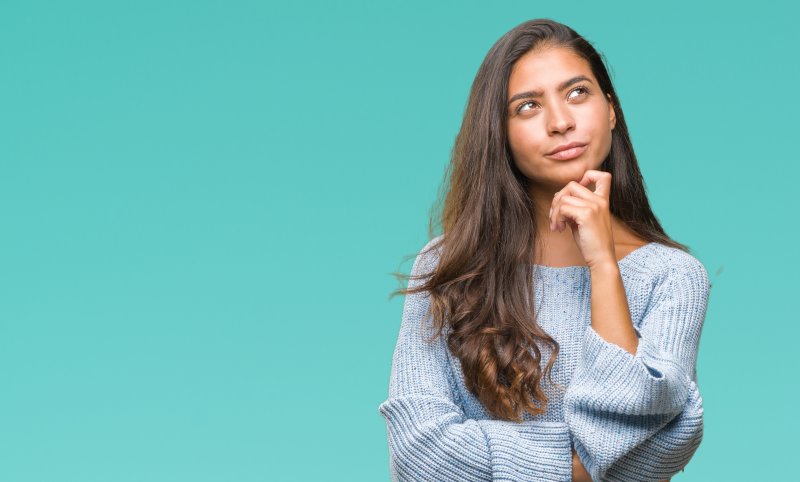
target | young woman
[{"x": 552, "y": 263}]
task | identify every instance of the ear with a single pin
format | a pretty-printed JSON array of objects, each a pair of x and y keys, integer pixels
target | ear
[{"x": 612, "y": 116}]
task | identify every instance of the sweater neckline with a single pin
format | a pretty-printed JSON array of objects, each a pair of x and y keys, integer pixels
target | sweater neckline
[{"x": 625, "y": 260}]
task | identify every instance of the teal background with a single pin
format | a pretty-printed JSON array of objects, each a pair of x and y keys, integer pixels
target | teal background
[{"x": 202, "y": 203}]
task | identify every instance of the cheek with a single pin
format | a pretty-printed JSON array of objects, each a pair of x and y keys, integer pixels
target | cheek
[
  {"x": 514, "y": 137},
  {"x": 604, "y": 138},
  {"x": 523, "y": 142},
  {"x": 600, "y": 135},
  {"x": 520, "y": 145}
]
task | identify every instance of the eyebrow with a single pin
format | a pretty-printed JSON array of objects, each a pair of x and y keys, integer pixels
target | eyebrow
[{"x": 535, "y": 93}]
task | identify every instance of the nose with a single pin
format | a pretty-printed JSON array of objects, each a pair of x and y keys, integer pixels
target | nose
[{"x": 560, "y": 120}]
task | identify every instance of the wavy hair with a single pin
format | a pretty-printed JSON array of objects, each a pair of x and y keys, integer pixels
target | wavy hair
[{"x": 481, "y": 286}]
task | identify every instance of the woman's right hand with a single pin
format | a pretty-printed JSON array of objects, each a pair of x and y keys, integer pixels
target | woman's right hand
[{"x": 579, "y": 473}]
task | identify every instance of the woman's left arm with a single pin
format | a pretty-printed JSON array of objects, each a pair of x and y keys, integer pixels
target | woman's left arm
[
  {"x": 632, "y": 405},
  {"x": 638, "y": 415}
]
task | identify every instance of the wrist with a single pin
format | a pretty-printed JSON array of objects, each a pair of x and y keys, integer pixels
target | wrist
[{"x": 604, "y": 268}]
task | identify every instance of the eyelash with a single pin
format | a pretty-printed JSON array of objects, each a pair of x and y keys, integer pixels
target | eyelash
[{"x": 580, "y": 87}]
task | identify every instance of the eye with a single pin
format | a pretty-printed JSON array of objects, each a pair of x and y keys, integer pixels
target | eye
[
  {"x": 581, "y": 88},
  {"x": 519, "y": 109}
]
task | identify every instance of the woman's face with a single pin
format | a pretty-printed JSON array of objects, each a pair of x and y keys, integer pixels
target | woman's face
[{"x": 549, "y": 106}]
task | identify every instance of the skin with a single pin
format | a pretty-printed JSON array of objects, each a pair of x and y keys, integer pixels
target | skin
[{"x": 572, "y": 193}]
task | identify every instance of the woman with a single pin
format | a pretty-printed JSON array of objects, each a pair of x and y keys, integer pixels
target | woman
[{"x": 618, "y": 306}]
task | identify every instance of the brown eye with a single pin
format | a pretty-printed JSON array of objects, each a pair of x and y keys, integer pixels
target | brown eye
[
  {"x": 581, "y": 88},
  {"x": 519, "y": 109}
]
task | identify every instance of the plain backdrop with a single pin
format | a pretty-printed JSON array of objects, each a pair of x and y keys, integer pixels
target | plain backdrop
[{"x": 202, "y": 204}]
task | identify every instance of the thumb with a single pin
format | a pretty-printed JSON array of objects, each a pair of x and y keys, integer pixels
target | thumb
[{"x": 601, "y": 180}]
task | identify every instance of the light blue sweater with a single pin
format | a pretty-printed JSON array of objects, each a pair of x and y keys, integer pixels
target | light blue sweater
[{"x": 630, "y": 417}]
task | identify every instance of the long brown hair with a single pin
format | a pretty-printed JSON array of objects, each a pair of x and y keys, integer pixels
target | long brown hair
[{"x": 482, "y": 284}]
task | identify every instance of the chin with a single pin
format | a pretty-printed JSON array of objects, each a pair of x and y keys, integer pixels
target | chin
[
  {"x": 569, "y": 171},
  {"x": 575, "y": 167}
]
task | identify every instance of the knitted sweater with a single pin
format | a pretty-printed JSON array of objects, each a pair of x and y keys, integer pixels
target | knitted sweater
[{"x": 629, "y": 417}]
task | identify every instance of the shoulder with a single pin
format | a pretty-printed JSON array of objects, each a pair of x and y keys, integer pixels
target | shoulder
[
  {"x": 674, "y": 271},
  {"x": 428, "y": 256}
]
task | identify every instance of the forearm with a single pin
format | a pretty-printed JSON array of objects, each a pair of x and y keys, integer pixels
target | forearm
[
  {"x": 630, "y": 402},
  {"x": 611, "y": 317},
  {"x": 579, "y": 473}
]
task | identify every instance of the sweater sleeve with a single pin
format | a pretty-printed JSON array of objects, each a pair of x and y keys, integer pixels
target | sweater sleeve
[
  {"x": 431, "y": 439},
  {"x": 640, "y": 416},
  {"x": 668, "y": 451}
]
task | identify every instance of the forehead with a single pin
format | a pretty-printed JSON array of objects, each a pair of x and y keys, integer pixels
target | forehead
[{"x": 545, "y": 69}]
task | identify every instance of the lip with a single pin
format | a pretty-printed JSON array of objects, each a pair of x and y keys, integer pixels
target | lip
[{"x": 568, "y": 151}]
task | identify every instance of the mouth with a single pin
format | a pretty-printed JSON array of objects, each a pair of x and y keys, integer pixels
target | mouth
[{"x": 571, "y": 152}]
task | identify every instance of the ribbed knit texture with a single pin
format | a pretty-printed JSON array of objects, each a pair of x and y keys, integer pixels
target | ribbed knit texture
[{"x": 629, "y": 417}]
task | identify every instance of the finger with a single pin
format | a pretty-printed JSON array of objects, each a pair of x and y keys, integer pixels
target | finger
[
  {"x": 557, "y": 221},
  {"x": 569, "y": 201},
  {"x": 578, "y": 189},
  {"x": 575, "y": 213},
  {"x": 553, "y": 207},
  {"x": 554, "y": 219},
  {"x": 575, "y": 190},
  {"x": 601, "y": 180},
  {"x": 586, "y": 181},
  {"x": 571, "y": 189}
]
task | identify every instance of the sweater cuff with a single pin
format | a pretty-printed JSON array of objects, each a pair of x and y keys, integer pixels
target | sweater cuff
[
  {"x": 533, "y": 450},
  {"x": 650, "y": 382}
]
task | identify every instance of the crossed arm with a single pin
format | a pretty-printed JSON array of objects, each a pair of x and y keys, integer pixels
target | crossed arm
[
  {"x": 579, "y": 473},
  {"x": 627, "y": 416},
  {"x": 633, "y": 405}
]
